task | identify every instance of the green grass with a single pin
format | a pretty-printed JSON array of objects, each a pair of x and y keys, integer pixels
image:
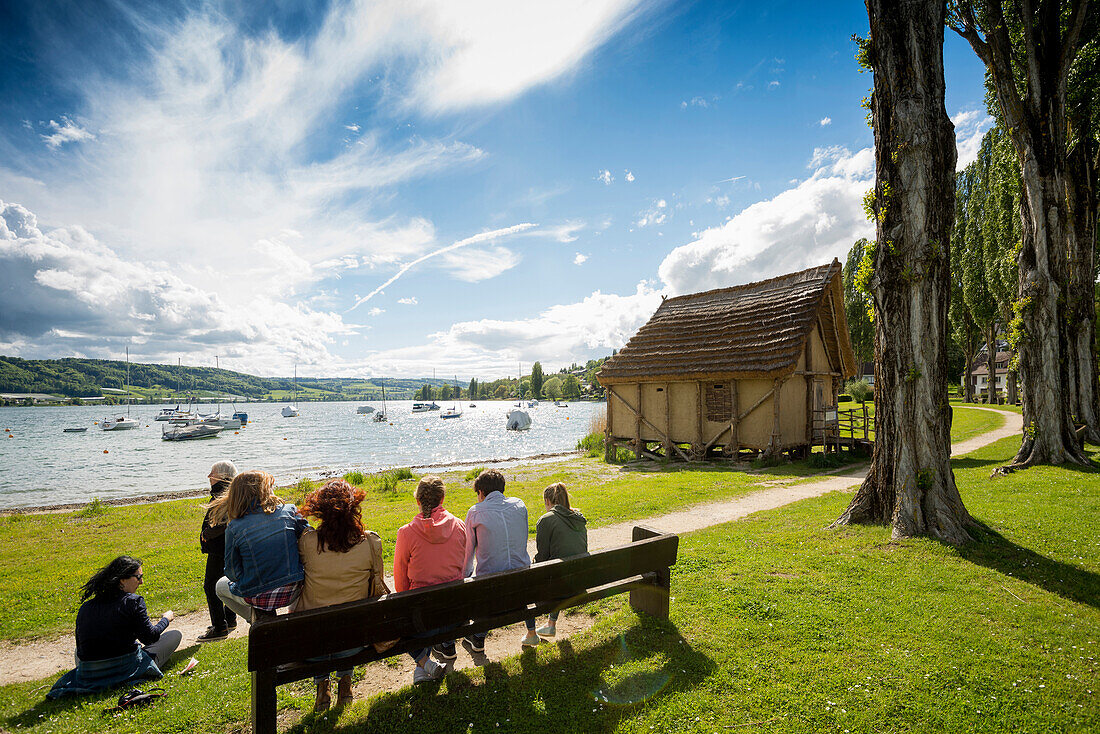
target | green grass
[{"x": 778, "y": 624}]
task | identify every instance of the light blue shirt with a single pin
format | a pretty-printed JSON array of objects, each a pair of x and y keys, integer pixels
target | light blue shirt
[{"x": 496, "y": 535}]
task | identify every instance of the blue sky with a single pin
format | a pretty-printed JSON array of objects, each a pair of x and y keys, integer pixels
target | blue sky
[{"x": 392, "y": 188}]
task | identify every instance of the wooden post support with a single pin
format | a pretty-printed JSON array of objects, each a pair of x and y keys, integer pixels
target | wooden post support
[
  {"x": 263, "y": 702},
  {"x": 638, "y": 425},
  {"x": 609, "y": 435},
  {"x": 668, "y": 421},
  {"x": 700, "y": 397},
  {"x": 652, "y": 600},
  {"x": 735, "y": 422}
]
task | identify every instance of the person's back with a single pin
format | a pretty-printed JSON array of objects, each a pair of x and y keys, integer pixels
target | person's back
[
  {"x": 335, "y": 577},
  {"x": 561, "y": 533},
  {"x": 429, "y": 550}
]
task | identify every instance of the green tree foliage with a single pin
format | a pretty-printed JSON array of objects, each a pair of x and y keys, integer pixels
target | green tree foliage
[
  {"x": 471, "y": 392},
  {"x": 857, "y": 304},
  {"x": 571, "y": 388},
  {"x": 536, "y": 379},
  {"x": 552, "y": 388}
]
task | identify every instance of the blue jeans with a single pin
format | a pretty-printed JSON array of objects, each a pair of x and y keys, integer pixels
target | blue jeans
[
  {"x": 448, "y": 647},
  {"x": 334, "y": 656}
]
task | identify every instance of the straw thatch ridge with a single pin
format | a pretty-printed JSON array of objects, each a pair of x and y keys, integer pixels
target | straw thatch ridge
[{"x": 752, "y": 330}]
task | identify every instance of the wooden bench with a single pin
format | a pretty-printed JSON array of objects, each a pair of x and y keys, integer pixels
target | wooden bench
[{"x": 278, "y": 646}]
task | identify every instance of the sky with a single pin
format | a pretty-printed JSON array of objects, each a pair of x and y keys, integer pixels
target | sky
[{"x": 401, "y": 188}]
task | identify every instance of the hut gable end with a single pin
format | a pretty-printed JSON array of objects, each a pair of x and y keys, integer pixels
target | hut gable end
[{"x": 754, "y": 330}]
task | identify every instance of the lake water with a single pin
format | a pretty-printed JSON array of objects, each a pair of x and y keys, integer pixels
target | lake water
[{"x": 41, "y": 465}]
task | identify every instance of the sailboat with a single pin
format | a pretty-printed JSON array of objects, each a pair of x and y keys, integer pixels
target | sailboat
[
  {"x": 454, "y": 411},
  {"x": 380, "y": 416},
  {"x": 288, "y": 410},
  {"x": 121, "y": 422}
]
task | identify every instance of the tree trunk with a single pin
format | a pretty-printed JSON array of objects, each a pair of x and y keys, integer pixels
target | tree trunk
[
  {"x": 1081, "y": 287},
  {"x": 991, "y": 363},
  {"x": 910, "y": 483},
  {"x": 968, "y": 388}
]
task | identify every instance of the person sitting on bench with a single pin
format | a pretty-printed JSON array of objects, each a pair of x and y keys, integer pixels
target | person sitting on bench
[
  {"x": 262, "y": 567},
  {"x": 496, "y": 538},
  {"x": 430, "y": 550},
  {"x": 343, "y": 562},
  {"x": 111, "y": 621},
  {"x": 560, "y": 533}
]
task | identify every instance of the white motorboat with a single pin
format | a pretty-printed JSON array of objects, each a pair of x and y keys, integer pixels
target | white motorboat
[
  {"x": 472, "y": 405},
  {"x": 118, "y": 423},
  {"x": 518, "y": 420},
  {"x": 364, "y": 410},
  {"x": 174, "y": 415},
  {"x": 532, "y": 403},
  {"x": 191, "y": 432},
  {"x": 424, "y": 407},
  {"x": 561, "y": 404},
  {"x": 219, "y": 420},
  {"x": 291, "y": 411}
]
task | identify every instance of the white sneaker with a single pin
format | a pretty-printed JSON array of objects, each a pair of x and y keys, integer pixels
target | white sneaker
[
  {"x": 530, "y": 639},
  {"x": 549, "y": 630},
  {"x": 431, "y": 671}
]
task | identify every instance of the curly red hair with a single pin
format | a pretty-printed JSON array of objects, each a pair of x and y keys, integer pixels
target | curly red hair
[{"x": 336, "y": 505}]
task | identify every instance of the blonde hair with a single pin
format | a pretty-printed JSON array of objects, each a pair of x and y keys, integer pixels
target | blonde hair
[
  {"x": 429, "y": 494},
  {"x": 246, "y": 491},
  {"x": 556, "y": 494}
]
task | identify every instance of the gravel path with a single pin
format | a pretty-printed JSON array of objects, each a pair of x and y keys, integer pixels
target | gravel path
[{"x": 41, "y": 658}]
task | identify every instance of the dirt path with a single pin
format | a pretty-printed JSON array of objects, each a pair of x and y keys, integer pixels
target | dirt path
[{"x": 36, "y": 660}]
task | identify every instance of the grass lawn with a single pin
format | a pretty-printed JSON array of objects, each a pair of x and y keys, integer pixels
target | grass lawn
[{"x": 778, "y": 624}]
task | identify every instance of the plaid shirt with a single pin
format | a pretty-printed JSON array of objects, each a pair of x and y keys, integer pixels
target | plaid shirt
[{"x": 276, "y": 598}]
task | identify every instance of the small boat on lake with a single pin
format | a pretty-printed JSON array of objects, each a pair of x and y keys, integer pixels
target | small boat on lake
[
  {"x": 560, "y": 404},
  {"x": 451, "y": 412},
  {"x": 518, "y": 420},
  {"x": 291, "y": 411},
  {"x": 424, "y": 407},
  {"x": 174, "y": 415},
  {"x": 364, "y": 410},
  {"x": 81, "y": 429},
  {"x": 118, "y": 423},
  {"x": 190, "y": 433}
]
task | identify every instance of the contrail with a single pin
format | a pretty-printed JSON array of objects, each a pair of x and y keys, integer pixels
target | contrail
[
  {"x": 461, "y": 243},
  {"x": 727, "y": 180}
]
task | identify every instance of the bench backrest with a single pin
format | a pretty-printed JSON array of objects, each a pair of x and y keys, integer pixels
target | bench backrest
[{"x": 274, "y": 641}]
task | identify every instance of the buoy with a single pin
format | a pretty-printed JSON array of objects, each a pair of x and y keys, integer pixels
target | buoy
[
  {"x": 105, "y": 451},
  {"x": 427, "y": 429},
  {"x": 284, "y": 439},
  {"x": 236, "y": 433},
  {"x": 11, "y": 435}
]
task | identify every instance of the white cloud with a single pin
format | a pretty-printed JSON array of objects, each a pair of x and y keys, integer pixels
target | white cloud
[
  {"x": 353, "y": 128},
  {"x": 807, "y": 225},
  {"x": 375, "y": 311},
  {"x": 410, "y": 301},
  {"x": 656, "y": 214},
  {"x": 474, "y": 264},
  {"x": 629, "y": 176},
  {"x": 76, "y": 295},
  {"x": 605, "y": 177},
  {"x": 773, "y": 84},
  {"x": 826, "y": 121},
  {"x": 579, "y": 259},
  {"x": 66, "y": 131},
  {"x": 970, "y": 127}
]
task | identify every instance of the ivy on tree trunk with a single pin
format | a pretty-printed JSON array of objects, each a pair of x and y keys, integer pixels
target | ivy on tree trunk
[{"x": 910, "y": 483}]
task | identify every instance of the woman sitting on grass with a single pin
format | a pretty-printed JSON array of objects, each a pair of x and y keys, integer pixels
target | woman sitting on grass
[
  {"x": 560, "y": 533},
  {"x": 109, "y": 625},
  {"x": 430, "y": 550},
  {"x": 262, "y": 566},
  {"x": 343, "y": 562}
]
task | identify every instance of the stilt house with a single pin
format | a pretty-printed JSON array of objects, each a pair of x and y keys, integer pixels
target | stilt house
[{"x": 751, "y": 367}]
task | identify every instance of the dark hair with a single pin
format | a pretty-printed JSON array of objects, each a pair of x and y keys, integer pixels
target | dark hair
[
  {"x": 105, "y": 581},
  {"x": 336, "y": 505},
  {"x": 219, "y": 487},
  {"x": 429, "y": 494},
  {"x": 556, "y": 494},
  {"x": 489, "y": 481}
]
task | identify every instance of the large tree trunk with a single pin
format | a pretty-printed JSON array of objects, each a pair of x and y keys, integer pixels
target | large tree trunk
[
  {"x": 910, "y": 483},
  {"x": 1081, "y": 286},
  {"x": 991, "y": 363},
  {"x": 968, "y": 387}
]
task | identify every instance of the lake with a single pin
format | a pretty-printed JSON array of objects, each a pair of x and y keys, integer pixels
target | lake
[{"x": 41, "y": 465}]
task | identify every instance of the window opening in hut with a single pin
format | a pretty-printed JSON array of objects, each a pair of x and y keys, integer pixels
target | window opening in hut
[
  {"x": 719, "y": 405},
  {"x": 660, "y": 389}
]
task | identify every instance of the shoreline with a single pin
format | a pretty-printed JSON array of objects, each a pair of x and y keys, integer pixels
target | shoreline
[{"x": 321, "y": 475}]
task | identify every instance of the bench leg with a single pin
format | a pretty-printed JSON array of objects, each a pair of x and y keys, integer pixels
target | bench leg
[
  {"x": 263, "y": 702},
  {"x": 653, "y": 600}
]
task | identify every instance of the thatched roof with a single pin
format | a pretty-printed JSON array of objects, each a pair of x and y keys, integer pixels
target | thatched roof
[{"x": 753, "y": 330}]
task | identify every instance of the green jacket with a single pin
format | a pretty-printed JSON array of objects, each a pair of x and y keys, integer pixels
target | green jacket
[{"x": 560, "y": 533}]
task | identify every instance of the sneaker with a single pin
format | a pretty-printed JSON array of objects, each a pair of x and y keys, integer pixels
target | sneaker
[
  {"x": 231, "y": 625},
  {"x": 549, "y": 630},
  {"x": 530, "y": 639},
  {"x": 212, "y": 634},
  {"x": 431, "y": 671},
  {"x": 443, "y": 656},
  {"x": 472, "y": 647}
]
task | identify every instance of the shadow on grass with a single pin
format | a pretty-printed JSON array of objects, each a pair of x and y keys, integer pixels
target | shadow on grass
[
  {"x": 589, "y": 690},
  {"x": 993, "y": 550},
  {"x": 970, "y": 463},
  {"x": 44, "y": 709}
]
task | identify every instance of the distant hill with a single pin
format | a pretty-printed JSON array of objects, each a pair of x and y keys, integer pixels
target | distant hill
[{"x": 74, "y": 377}]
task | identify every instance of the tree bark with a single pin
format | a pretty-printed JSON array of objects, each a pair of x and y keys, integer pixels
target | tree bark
[
  {"x": 968, "y": 388},
  {"x": 910, "y": 483},
  {"x": 1081, "y": 282},
  {"x": 991, "y": 363}
]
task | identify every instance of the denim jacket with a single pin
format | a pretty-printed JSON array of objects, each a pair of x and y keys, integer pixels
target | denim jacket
[{"x": 261, "y": 550}]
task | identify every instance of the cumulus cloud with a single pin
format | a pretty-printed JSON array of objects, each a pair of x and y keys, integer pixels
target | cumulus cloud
[
  {"x": 580, "y": 259},
  {"x": 826, "y": 121},
  {"x": 375, "y": 311},
  {"x": 66, "y": 293},
  {"x": 604, "y": 176},
  {"x": 656, "y": 214},
  {"x": 65, "y": 131},
  {"x": 629, "y": 176},
  {"x": 807, "y": 225},
  {"x": 970, "y": 127},
  {"x": 410, "y": 301}
]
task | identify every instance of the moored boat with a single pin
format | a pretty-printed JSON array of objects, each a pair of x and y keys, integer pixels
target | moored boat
[
  {"x": 191, "y": 432},
  {"x": 518, "y": 420},
  {"x": 81, "y": 429}
]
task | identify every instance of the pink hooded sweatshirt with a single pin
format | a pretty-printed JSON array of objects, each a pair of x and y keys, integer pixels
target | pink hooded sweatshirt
[{"x": 429, "y": 550}]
